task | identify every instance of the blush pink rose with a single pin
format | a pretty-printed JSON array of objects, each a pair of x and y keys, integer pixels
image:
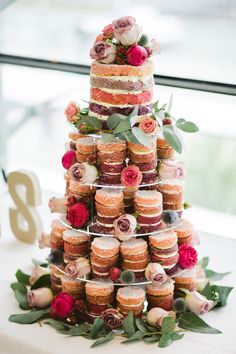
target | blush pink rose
[
  {"x": 136, "y": 55},
  {"x": 103, "y": 52},
  {"x": 171, "y": 170},
  {"x": 125, "y": 226},
  {"x": 198, "y": 303},
  {"x": 40, "y": 298},
  {"x": 148, "y": 125},
  {"x": 71, "y": 111},
  {"x": 126, "y": 30},
  {"x": 188, "y": 256},
  {"x": 131, "y": 176},
  {"x": 108, "y": 31}
]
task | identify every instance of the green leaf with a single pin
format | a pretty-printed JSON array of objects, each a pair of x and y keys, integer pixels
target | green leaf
[
  {"x": 152, "y": 339},
  {"x": 176, "y": 336},
  {"x": 133, "y": 116},
  {"x": 210, "y": 274},
  {"x": 43, "y": 281},
  {"x": 223, "y": 292},
  {"x": 123, "y": 126},
  {"x": 141, "y": 325},
  {"x": 128, "y": 324},
  {"x": 103, "y": 340},
  {"x": 92, "y": 121},
  {"x": 22, "y": 277},
  {"x": 168, "y": 325},
  {"x": 165, "y": 340},
  {"x": 58, "y": 325},
  {"x": 187, "y": 127},
  {"x": 20, "y": 287},
  {"x": 204, "y": 262},
  {"x": 114, "y": 120},
  {"x": 192, "y": 322},
  {"x": 107, "y": 137},
  {"x": 172, "y": 138},
  {"x": 84, "y": 111},
  {"x": 207, "y": 291},
  {"x": 129, "y": 136},
  {"x": 79, "y": 330},
  {"x": 135, "y": 337},
  {"x": 97, "y": 326},
  {"x": 29, "y": 317},
  {"x": 22, "y": 300},
  {"x": 143, "y": 138},
  {"x": 180, "y": 121}
]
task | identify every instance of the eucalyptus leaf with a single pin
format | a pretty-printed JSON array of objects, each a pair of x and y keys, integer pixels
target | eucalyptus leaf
[
  {"x": 140, "y": 325},
  {"x": 22, "y": 277},
  {"x": 92, "y": 121},
  {"x": 97, "y": 326},
  {"x": 135, "y": 337},
  {"x": 43, "y": 281},
  {"x": 152, "y": 339},
  {"x": 84, "y": 111},
  {"x": 180, "y": 121},
  {"x": 194, "y": 323},
  {"x": 128, "y": 324},
  {"x": 168, "y": 325},
  {"x": 143, "y": 138},
  {"x": 133, "y": 116},
  {"x": 165, "y": 340},
  {"x": 20, "y": 287},
  {"x": 207, "y": 291},
  {"x": 172, "y": 138},
  {"x": 176, "y": 336},
  {"x": 58, "y": 325},
  {"x": 107, "y": 137},
  {"x": 223, "y": 293},
  {"x": 103, "y": 340},
  {"x": 204, "y": 262},
  {"x": 187, "y": 127},
  {"x": 79, "y": 330},
  {"x": 114, "y": 120},
  {"x": 129, "y": 136},
  {"x": 123, "y": 126},
  {"x": 22, "y": 300},
  {"x": 210, "y": 274},
  {"x": 29, "y": 317}
]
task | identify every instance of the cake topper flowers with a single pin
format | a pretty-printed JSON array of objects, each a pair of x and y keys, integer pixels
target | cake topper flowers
[{"x": 122, "y": 42}]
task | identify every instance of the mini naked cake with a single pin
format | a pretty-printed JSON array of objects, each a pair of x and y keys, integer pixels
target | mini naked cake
[
  {"x": 161, "y": 295},
  {"x": 186, "y": 280},
  {"x": 184, "y": 231},
  {"x": 130, "y": 298}
]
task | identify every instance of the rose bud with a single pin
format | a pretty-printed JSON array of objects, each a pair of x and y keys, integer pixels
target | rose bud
[
  {"x": 71, "y": 111},
  {"x": 198, "y": 303},
  {"x": 156, "y": 315},
  {"x": 103, "y": 52},
  {"x": 169, "y": 169},
  {"x": 148, "y": 125},
  {"x": 79, "y": 268},
  {"x": 136, "y": 55},
  {"x": 124, "y": 227},
  {"x": 36, "y": 273},
  {"x": 155, "y": 273},
  {"x": 83, "y": 172},
  {"x": 131, "y": 176},
  {"x": 68, "y": 159},
  {"x": 126, "y": 30},
  {"x": 188, "y": 256},
  {"x": 41, "y": 297},
  {"x": 44, "y": 240},
  {"x": 112, "y": 318},
  {"x": 62, "y": 305},
  {"x": 58, "y": 205}
]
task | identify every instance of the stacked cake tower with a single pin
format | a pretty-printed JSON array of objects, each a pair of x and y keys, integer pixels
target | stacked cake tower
[{"x": 120, "y": 237}]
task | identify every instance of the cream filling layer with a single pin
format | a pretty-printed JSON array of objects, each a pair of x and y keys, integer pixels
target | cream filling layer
[{"x": 105, "y": 104}]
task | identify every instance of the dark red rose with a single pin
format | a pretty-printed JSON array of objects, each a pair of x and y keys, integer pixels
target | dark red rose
[
  {"x": 68, "y": 159},
  {"x": 112, "y": 318},
  {"x": 131, "y": 176},
  {"x": 77, "y": 215},
  {"x": 62, "y": 305},
  {"x": 188, "y": 256}
]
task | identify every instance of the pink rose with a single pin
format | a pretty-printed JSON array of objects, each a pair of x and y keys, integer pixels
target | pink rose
[
  {"x": 155, "y": 273},
  {"x": 108, "y": 31},
  {"x": 169, "y": 169},
  {"x": 36, "y": 273},
  {"x": 154, "y": 47},
  {"x": 136, "y": 55},
  {"x": 103, "y": 52},
  {"x": 79, "y": 268},
  {"x": 58, "y": 205},
  {"x": 126, "y": 30},
  {"x": 188, "y": 256},
  {"x": 71, "y": 111},
  {"x": 131, "y": 176},
  {"x": 125, "y": 226},
  {"x": 198, "y": 303},
  {"x": 83, "y": 172},
  {"x": 156, "y": 316},
  {"x": 41, "y": 297},
  {"x": 148, "y": 125}
]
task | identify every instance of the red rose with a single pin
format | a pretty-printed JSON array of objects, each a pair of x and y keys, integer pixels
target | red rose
[
  {"x": 68, "y": 159},
  {"x": 148, "y": 125},
  {"x": 62, "y": 305},
  {"x": 188, "y": 256},
  {"x": 131, "y": 176},
  {"x": 77, "y": 215},
  {"x": 136, "y": 55}
]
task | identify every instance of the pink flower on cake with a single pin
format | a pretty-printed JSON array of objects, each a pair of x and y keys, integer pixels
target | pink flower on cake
[
  {"x": 108, "y": 31},
  {"x": 188, "y": 256},
  {"x": 103, "y": 52},
  {"x": 83, "y": 172},
  {"x": 154, "y": 47},
  {"x": 78, "y": 268},
  {"x": 58, "y": 205},
  {"x": 124, "y": 227},
  {"x": 156, "y": 316},
  {"x": 77, "y": 215},
  {"x": 41, "y": 297},
  {"x": 198, "y": 303},
  {"x": 155, "y": 273},
  {"x": 171, "y": 170},
  {"x": 68, "y": 159},
  {"x": 148, "y": 125},
  {"x": 126, "y": 30},
  {"x": 112, "y": 318},
  {"x": 131, "y": 176},
  {"x": 136, "y": 55},
  {"x": 36, "y": 273},
  {"x": 71, "y": 111},
  {"x": 62, "y": 305}
]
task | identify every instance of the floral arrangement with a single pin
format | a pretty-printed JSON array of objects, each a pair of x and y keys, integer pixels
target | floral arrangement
[
  {"x": 122, "y": 42},
  {"x": 67, "y": 315}
]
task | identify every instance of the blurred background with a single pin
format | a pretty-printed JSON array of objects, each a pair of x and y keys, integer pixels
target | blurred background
[{"x": 197, "y": 41}]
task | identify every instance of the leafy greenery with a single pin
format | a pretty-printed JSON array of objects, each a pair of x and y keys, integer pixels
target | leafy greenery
[
  {"x": 43, "y": 281},
  {"x": 108, "y": 337},
  {"x": 172, "y": 138},
  {"x": 96, "y": 328},
  {"x": 194, "y": 323},
  {"x": 29, "y": 317},
  {"x": 129, "y": 325},
  {"x": 22, "y": 277},
  {"x": 218, "y": 293}
]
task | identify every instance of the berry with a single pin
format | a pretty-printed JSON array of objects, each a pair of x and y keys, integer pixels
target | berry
[
  {"x": 114, "y": 273},
  {"x": 56, "y": 257},
  {"x": 170, "y": 217},
  {"x": 179, "y": 305},
  {"x": 167, "y": 121},
  {"x": 127, "y": 277}
]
